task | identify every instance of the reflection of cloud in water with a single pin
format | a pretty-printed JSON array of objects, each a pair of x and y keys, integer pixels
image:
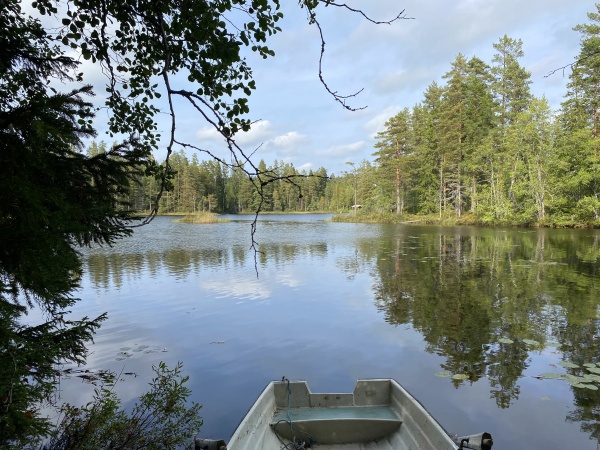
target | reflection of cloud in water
[
  {"x": 246, "y": 288},
  {"x": 289, "y": 280},
  {"x": 403, "y": 336}
]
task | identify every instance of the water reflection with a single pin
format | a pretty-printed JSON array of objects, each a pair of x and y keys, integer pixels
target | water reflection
[
  {"x": 108, "y": 269},
  {"x": 483, "y": 301},
  {"x": 496, "y": 307}
]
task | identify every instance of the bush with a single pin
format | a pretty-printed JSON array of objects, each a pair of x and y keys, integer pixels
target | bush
[{"x": 159, "y": 420}]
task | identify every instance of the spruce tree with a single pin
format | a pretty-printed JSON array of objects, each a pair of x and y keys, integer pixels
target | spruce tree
[
  {"x": 53, "y": 199},
  {"x": 427, "y": 164},
  {"x": 452, "y": 134}
]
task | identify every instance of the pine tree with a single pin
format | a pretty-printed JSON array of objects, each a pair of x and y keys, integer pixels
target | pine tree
[
  {"x": 395, "y": 145},
  {"x": 427, "y": 163},
  {"x": 452, "y": 126},
  {"x": 479, "y": 123},
  {"x": 510, "y": 88},
  {"x": 511, "y": 81}
]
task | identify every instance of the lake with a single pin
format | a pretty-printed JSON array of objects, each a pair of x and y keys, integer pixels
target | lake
[{"x": 491, "y": 329}]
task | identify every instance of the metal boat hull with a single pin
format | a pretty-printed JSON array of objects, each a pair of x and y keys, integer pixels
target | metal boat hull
[{"x": 379, "y": 414}]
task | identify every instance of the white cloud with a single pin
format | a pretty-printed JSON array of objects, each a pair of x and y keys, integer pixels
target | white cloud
[
  {"x": 259, "y": 133},
  {"x": 208, "y": 134},
  {"x": 289, "y": 140},
  {"x": 305, "y": 167},
  {"x": 377, "y": 123},
  {"x": 344, "y": 149}
]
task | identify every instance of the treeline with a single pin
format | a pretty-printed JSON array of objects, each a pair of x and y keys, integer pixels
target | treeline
[
  {"x": 213, "y": 186},
  {"x": 480, "y": 147}
]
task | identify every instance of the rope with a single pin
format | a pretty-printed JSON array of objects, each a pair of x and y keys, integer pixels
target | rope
[{"x": 300, "y": 445}]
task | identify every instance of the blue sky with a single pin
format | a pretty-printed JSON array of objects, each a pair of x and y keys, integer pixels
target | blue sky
[{"x": 300, "y": 123}]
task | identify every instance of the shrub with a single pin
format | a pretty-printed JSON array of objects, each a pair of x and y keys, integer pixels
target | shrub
[{"x": 159, "y": 420}]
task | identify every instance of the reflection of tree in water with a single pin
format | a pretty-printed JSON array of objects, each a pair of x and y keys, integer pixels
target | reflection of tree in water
[
  {"x": 505, "y": 365},
  {"x": 108, "y": 268},
  {"x": 468, "y": 291},
  {"x": 580, "y": 342},
  {"x": 360, "y": 260},
  {"x": 587, "y": 412},
  {"x": 463, "y": 289}
]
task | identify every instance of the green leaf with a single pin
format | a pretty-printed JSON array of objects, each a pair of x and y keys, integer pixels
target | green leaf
[
  {"x": 569, "y": 365},
  {"x": 592, "y": 377},
  {"x": 460, "y": 376},
  {"x": 550, "y": 375},
  {"x": 443, "y": 374}
]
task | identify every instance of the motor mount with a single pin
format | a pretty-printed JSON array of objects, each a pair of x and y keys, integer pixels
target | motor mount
[{"x": 481, "y": 441}]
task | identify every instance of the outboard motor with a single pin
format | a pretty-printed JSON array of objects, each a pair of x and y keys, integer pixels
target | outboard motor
[{"x": 481, "y": 441}]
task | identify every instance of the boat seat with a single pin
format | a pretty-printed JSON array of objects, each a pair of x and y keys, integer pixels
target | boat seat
[{"x": 337, "y": 425}]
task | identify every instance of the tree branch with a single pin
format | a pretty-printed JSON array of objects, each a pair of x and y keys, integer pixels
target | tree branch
[
  {"x": 342, "y": 99},
  {"x": 577, "y": 61}
]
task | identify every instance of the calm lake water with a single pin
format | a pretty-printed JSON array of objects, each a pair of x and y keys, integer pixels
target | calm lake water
[{"x": 467, "y": 319}]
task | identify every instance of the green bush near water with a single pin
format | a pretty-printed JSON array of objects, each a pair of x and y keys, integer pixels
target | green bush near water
[{"x": 159, "y": 420}]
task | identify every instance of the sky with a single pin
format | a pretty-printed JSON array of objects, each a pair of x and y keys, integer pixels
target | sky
[{"x": 298, "y": 122}]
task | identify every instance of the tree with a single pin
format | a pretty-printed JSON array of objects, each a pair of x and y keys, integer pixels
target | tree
[
  {"x": 395, "y": 146},
  {"x": 427, "y": 163},
  {"x": 478, "y": 126},
  {"x": 585, "y": 78},
  {"x": 511, "y": 91},
  {"x": 511, "y": 81},
  {"x": 465, "y": 120},
  {"x": 54, "y": 198},
  {"x": 530, "y": 136},
  {"x": 581, "y": 122}
]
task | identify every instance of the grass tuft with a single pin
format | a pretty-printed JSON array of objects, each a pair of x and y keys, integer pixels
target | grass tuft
[{"x": 202, "y": 217}]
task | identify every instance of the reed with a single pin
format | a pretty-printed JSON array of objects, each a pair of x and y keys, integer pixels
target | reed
[{"x": 202, "y": 217}]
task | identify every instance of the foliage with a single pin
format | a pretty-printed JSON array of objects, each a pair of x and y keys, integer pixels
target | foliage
[
  {"x": 160, "y": 420},
  {"x": 52, "y": 199},
  {"x": 393, "y": 150},
  {"x": 210, "y": 186}
]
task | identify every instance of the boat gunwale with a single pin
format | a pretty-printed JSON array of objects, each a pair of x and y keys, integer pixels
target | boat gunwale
[{"x": 270, "y": 387}]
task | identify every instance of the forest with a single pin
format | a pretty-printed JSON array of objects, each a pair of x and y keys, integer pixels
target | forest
[{"x": 480, "y": 148}]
